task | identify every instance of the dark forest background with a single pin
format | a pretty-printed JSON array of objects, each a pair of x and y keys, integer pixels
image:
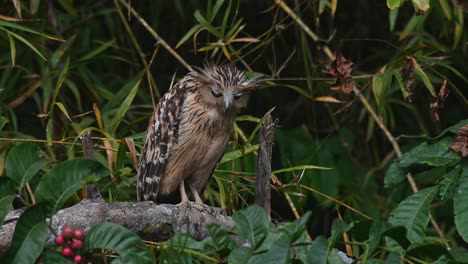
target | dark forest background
[{"x": 67, "y": 67}]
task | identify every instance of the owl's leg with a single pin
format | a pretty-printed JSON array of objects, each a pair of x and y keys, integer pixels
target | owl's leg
[
  {"x": 196, "y": 196},
  {"x": 183, "y": 195}
]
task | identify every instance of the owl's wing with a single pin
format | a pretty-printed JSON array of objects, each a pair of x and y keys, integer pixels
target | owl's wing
[{"x": 161, "y": 135}]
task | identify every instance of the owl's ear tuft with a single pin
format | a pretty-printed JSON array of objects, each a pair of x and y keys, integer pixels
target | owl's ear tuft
[{"x": 253, "y": 81}]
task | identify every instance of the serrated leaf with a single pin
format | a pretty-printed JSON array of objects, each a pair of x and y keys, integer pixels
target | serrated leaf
[
  {"x": 117, "y": 238},
  {"x": 252, "y": 224},
  {"x": 23, "y": 162},
  {"x": 460, "y": 208},
  {"x": 61, "y": 182},
  {"x": 29, "y": 236},
  {"x": 413, "y": 214},
  {"x": 5, "y": 206},
  {"x": 394, "y": 175},
  {"x": 436, "y": 154},
  {"x": 318, "y": 252}
]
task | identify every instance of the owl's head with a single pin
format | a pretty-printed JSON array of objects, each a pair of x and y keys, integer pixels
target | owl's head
[{"x": 224, "y": 87}]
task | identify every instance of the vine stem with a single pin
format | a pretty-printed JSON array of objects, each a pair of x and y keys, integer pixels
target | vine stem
[{"x": 397, "y": 149}]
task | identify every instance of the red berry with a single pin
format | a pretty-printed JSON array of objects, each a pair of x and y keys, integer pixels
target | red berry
[
  {"x": 59, "y": 240},
  {"x": 77, "y": 259},
  {"x": 79, "y": 234},
  {"x": 67, "y": 232},
  {"x": 76, "y": 243},
  {"x": 67, "y": 252}
]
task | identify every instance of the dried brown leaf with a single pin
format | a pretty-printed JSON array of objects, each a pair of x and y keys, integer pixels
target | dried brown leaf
[
  {"x": 460, "y": 142},
  {"x": 341, "y": 68},
  {"x": 408, "y": 73},
  {"x": 438, "y": 102},
  {"x": 131, "y": 147},
  {"x": 328, "y": 99},
  {"x": 110, "y": 155}
]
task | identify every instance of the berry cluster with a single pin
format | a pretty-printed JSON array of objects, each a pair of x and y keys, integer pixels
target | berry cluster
[{"x": 71, "y": 241}]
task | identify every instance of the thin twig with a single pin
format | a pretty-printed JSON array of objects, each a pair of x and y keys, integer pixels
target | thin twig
[{"x": 156, "y": 36}]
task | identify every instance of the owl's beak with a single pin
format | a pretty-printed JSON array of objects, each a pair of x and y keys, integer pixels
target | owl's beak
[{"x": 227, "y": 104}]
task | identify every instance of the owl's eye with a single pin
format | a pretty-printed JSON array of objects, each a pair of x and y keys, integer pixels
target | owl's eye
[
  {"x": 237, "y": 96},
  {"x": 215, "y": 93}
]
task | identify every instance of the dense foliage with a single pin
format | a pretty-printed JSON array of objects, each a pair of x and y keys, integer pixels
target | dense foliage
[{"x": 371, "y": 98}]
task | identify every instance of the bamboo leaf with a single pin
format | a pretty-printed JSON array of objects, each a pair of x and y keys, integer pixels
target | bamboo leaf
[
  {"x": 26, "y": 42},
  {"x": 12, "y": 49}
]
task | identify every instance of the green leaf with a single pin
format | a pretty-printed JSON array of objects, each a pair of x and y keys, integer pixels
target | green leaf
[
  {"x": 301, "y": 168},
  {"x": 95, "y": 52},
  {"x": 238, "y": 153},
  {"x": 454, "y": 129},
  {"x": 220, "y": 239},
  {"x": 26, "y": 42},
  {"x": 422, "y": 75},
  {"x": 117, "y": 238},
  {"x": 199, "y": 17},
  {"x": 240, "y": 255},
  {"x": 252, "y": 224},
  {"x": 279, "y": 252},
  {"x": 5, "y": 206},
  {"x": 7, "y": 187},
  {"x": 413, "y": 214},
  {"x": 393, "y": 3},
  {"x": 448, "y": 184},
  {"x": 318, "y": 252},
  {"x": 29, "y": 236},
  {"x": 61, "y": 182},
  {"x": 295, "y": 228},
  {"x": 3, "y": 122},
  {"x": 68, "y": 6},
  {"x": 460, "y": 208},
  {"x": 396, "y": 239},
  {"x": 12, "y": 49},
  {"x": 394, "y": 175},
  {"x": 188, "y": 35},
  {"x": 375, "y": 235},
  {"x": 123, "y": 108},
  {"x": 32, "y": 245},
  {"x": 436, "y": 154},
  {"x": 26, "y": 29},
  {"x": 23, "y": 162},
  {"x": 421, "y": 6},
  {"x": 58, "y": 86},
  {"x": 52, "y": 256},
  {"x": 377, "y": 88}
]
